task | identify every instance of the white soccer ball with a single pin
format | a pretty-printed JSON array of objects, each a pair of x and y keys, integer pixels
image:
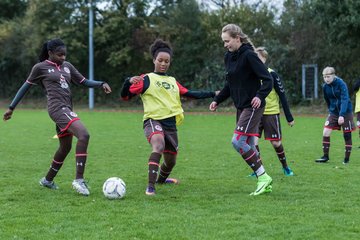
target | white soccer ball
[{"x": 114, "y": 188}]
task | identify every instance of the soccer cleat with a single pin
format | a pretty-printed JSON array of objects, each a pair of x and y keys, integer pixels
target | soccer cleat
[
  {"x": 323, "y": 159},
  {"x": 288, "y": 172},
  {"x": 172, "y": 181},
  {"x": 253, "y": 174},
  {"x": 268, "y": 189},
  {"x": 264, "y": 183},
  {"x": 168, "y": 181},
  {"x": 80, "y": 186},
  {"x": 49, "y": 184},
  {"x": 346, "y": 161},
  {"x": 150, "y": 191}
]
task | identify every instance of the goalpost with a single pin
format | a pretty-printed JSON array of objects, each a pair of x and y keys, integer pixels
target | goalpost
[{"x": 310, "y": 81}]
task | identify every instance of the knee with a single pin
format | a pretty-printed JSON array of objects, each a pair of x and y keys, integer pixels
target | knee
[
  {"x": 238, "y": 144},
  {"x": 84, "y": 137},
  {"x": 158, "y": 147},
  {"x": 276, "y": 144}
]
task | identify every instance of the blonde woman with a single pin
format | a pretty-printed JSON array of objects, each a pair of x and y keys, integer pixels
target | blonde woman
[{"x": 248, "y": 83}]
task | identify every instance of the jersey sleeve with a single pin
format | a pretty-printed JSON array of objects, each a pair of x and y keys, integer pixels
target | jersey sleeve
[
  {"x": 130, "y": 90},
  {"x": 280, "y": 90},
  {"x": 76, "y": 76},
  {"x": 194, "y": 93},
  {"x": 224, "y": 94},
  {"x": 35, "y": 75}
]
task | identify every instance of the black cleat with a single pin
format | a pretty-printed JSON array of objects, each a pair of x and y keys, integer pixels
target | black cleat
[
  {"x": 346, "y": 161},
  {"x": 323, "y": 159}
]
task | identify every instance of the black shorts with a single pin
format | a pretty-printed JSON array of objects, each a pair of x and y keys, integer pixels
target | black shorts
[
  {"x": 348, "y": 125},
  {"x": 152, "y": 127},
  {"x": 270, "y": 124},
  {"x": 248, "y": 121}
]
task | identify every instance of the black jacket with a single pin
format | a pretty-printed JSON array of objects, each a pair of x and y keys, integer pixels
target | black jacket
[{"x": 246, "y": 77}]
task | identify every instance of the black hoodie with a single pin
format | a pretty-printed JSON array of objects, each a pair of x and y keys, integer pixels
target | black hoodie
[{"x": 246, "y": 77}]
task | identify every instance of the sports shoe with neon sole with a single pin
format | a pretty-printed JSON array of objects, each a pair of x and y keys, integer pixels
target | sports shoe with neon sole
[
  {"x": 49, "y": 184},
  {"x": 288, "y": 172},
  {"x": 172, "y": 181},
  {"x": 264, "y": 181},
  {"x": 150, "y": 191},
  {"x": 169, "y": 181},
  {"x": 80, "y": 186}
]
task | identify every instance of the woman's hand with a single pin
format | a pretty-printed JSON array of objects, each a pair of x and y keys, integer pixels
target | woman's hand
[
  {"x": 136, "y": 79},
  {"x": 107, "y": 88},
  {"x": 213, "y": 106},
  {"x": 256, "y": 102},
  {"x": 8, "y": 114}
]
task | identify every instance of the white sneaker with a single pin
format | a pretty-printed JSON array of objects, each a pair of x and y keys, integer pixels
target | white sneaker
[{"x": 80, "y": 186}]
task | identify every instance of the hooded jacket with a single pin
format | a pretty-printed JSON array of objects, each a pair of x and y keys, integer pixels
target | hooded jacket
[
  {"x": 337, "y": 97},
  {"x": 246, "y": 77}
]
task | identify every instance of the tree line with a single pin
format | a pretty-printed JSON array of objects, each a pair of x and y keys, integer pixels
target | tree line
[{"x": 319, "y": 32}]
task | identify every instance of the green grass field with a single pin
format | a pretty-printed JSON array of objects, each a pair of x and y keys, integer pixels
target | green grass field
[{"x": 212, "y": 201}]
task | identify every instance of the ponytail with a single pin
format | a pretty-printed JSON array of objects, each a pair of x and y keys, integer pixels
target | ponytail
[
  {"x": 51, "y": 45},
  {"x": 44, "y": 52}
]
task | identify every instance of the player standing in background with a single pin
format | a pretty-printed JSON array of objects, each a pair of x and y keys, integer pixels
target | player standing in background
[
  {"x": 248, "y": 83},
  {"x": 160, "y": 94},
  {"x": 340, "y": 115},
  {"x": 270, "y": 121},
  {"x": 55, "y": 75},
  {"x": 357, "y": 103}
]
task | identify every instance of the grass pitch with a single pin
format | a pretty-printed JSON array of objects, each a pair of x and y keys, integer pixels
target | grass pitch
[{"x": 212, "y": 201}]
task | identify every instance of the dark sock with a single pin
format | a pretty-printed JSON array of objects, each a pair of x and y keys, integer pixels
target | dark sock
[
  {"x": 326, "y": 146},
  {"x": 153, "y": 163},
  {"x": 54, "y": 168},
  {"x": 281, "y": 155},
  {"x": 348, "y": 147},
  {"x": 80, "y": 156},
  {"x": 57, "y": 162},
  {"x": 166, "y": 168},
  {"x": 253, "y": 161}
]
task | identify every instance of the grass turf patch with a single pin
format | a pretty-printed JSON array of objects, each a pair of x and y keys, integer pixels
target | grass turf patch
[{"x": 211, "y": 202}]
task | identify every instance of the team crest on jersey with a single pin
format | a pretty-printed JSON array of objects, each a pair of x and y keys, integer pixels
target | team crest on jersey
[
  {"x": 66, "y": 69},
  {"x": 51, "y": 70},
  {"x": 63, "y": 82},
  {"x": 159, "y": 128},
  {"x": 165, "y": 85},
  {"x": 326, "y": 123},
  {"x": 73, "y": 114}
]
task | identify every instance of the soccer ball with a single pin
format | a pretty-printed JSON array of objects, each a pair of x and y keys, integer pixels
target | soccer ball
[{"x": 114, "y": 188}]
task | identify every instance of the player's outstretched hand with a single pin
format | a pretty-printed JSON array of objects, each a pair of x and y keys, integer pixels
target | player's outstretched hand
[
  {"x": 8, "y": 114},
  {"x": 107, "y": 88}
]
